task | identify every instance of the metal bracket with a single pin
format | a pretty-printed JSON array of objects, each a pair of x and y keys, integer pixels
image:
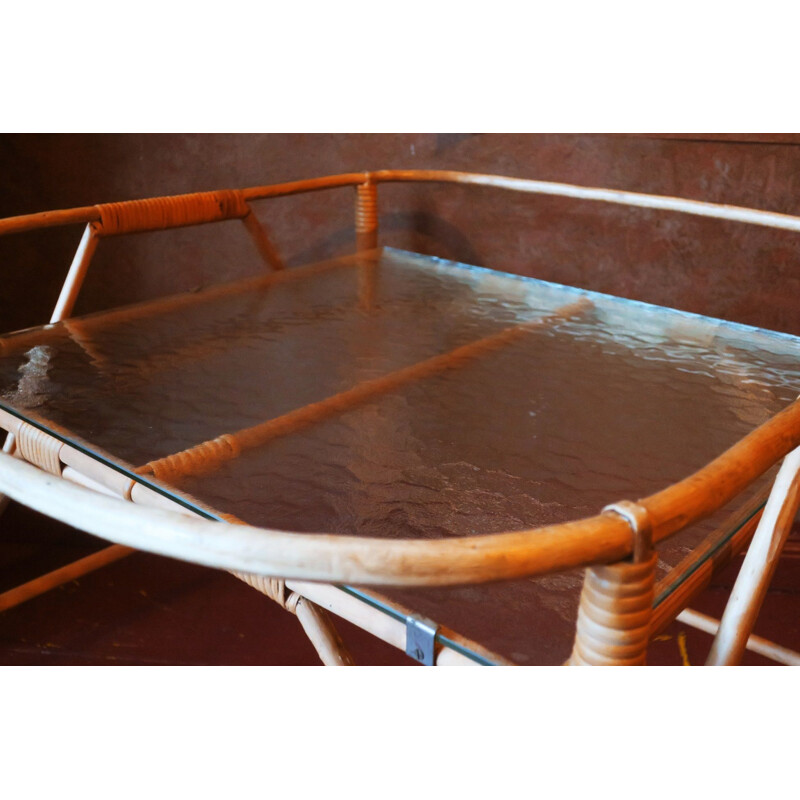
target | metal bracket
[
  {"x": 637, "y": 517},
  {"x": 420, "y": 636}
]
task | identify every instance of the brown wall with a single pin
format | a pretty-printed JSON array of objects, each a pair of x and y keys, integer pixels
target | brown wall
[{"x": 730, "y": 270}]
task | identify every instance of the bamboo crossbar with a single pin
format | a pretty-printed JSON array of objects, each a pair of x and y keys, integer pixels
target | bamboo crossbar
[
  {"x": 756, "y": 644},
  {"x": 209, "y": 455},
  {"x": 752, "y": 216},
  {"x": 58, "y": 577}
]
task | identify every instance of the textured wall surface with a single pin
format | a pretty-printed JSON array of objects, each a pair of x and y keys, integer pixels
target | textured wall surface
[{"x": 724, "y": 269}]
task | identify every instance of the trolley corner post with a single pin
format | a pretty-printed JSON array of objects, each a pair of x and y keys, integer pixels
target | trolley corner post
[
  {"x": 367, "y": 215},
  {"x": 616, "y": 604}
]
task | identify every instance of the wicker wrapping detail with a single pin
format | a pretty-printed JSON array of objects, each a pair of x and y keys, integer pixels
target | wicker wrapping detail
[
  {"x": 366, "y": 208},
  {"x": 614, "y": 615},
  {"x": 39, "y": 448},
  {"x": 366, "y": 216},
  {"x": 274, "y": 588},
  {"x": 158, "y": 213},
  {"x": 205, "y": 457}
]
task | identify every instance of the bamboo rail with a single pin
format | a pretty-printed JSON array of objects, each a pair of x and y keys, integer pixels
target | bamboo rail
[
  {"x": 472, "y": 559},
  {"x": 772, "y": 219}
]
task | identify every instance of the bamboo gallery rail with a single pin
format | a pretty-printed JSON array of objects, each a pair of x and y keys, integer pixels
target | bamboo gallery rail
[{"x": 608, "y": 633}]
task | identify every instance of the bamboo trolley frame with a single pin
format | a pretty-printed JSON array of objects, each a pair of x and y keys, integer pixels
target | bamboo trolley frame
[{"x": 616, "y": 618}]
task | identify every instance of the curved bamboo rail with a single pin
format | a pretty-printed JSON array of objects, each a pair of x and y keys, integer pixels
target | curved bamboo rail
[
  {"x": 603, "y": 538},
  {"x": 752, "y": 216}
]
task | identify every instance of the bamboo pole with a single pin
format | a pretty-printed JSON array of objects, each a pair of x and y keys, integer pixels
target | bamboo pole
[
  {"x": 716, "y": 484},
  {"x": 756, "y": 644},
  {"x": 58, "y": 577},
  {"x": 701, "y": 208},
  {"x": 317, "y": 557},
  {"x": 318, "y": 626},
  {"x": 209, "y": 455},
  {"x": 303, "y": 186},
  {"x": 759, "y": 565},
  {"x": 49, "y": 219},
  {"x": 75, "y": 276},
  {"x": 750, "y": 216},
  {"x": 604, "y": 538},
  {"x": 320, "y": 557}
]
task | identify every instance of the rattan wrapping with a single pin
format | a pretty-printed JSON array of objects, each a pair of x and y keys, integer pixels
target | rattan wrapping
[
  {"x": 39, "y": 448},
  {"x": 614, "y": 615},
  {"x": 158, "y": 213}
]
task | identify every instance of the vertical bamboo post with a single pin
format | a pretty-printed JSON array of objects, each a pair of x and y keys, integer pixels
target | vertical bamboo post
[
  {"x": 759, "y": 565},
  {"x": 616, "y": 605},
  {"x": 77, "y": 272},
  {"x": 367, "y": 239},
  {"x": 366, "y": 216}
]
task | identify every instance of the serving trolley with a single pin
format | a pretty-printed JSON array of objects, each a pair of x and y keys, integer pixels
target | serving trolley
[{"x": 476, "y": 467}]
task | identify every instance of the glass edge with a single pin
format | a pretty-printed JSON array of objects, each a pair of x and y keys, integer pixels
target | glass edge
[
  {"x": 395, "y": 614},
  {"x": 108, "y": 463},
  {"x": 710, "y": 554},
  {"x": 358, "y": 594},
  {"x": 728, "y": 325}
]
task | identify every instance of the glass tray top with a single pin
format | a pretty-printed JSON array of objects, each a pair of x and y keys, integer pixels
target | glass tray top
[{"x": 398, "y": 395}]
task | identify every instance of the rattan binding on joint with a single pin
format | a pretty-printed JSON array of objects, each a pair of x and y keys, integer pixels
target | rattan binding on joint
[
  {"x": 614, "y": 615},
  {"x": 366, "y": 216},
  {"x": 205, "y": 457},
  {"x": 39, "y": 448},
  {"x": 274, "y": 588},
  {"x": 159, "y": 213},
  {"x": 616, "y": 603}
]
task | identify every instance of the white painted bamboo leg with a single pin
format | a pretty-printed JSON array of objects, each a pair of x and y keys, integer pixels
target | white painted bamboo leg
[
  {"x": 320, "y": 630},
  {"x": 262, "y": 241},
  {"x": 52, "y": 580},
  {"x": 77, "y": 272},
  {"x": 756, "y": 644},
  {"x": 759, "y": 565}
]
